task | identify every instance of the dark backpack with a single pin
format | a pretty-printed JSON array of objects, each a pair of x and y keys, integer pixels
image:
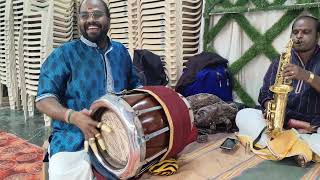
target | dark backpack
[
  {"x": 206, "y": 73},
  {"x": 150, "y": 68}
]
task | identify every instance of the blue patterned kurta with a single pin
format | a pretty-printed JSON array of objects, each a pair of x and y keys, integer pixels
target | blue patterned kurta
[{"x": 78, "y": 73}]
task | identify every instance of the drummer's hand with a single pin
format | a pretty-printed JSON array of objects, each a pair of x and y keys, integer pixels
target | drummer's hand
[
  {"x": 86, "y": 124},
  {"x": 86, "y": 112},
  {"x": 292, "y": 71}
]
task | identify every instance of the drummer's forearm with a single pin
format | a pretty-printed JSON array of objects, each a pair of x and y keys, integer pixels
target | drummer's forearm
[{"x": 52, "y": 108}]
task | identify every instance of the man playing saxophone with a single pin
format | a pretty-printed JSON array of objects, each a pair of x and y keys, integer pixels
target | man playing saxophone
[{"x": 302, "y": 110}]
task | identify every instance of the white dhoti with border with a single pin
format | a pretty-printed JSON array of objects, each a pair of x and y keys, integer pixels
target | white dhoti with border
[
  {"x": 251, "y": 122},
  {"x": 71, "y": 166}
]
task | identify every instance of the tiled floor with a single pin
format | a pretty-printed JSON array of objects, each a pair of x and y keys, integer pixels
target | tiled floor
[{"x": 32, "y": 130}]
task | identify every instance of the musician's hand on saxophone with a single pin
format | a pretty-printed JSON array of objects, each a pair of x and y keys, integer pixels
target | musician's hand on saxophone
[
  {"x": 265, "y": 105},
  {"x": 292, "y": 71}
]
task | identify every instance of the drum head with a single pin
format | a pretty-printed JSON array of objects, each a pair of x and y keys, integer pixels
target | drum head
[{"x": 116, "y": 141}]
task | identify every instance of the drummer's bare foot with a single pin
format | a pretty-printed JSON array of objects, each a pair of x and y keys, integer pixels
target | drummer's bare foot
[{"x": 300, "y": 160}]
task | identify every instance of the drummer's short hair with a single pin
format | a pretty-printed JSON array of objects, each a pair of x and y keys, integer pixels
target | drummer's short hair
[{"x": 104, "y": 4}]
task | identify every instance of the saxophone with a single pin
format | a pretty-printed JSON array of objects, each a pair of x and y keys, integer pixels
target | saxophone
[{"x": 276, "y": 108}]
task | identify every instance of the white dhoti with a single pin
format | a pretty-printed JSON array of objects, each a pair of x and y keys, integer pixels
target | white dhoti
[
  {"x": 71, "y": 166},
  {"x": 251, "y": 122}
]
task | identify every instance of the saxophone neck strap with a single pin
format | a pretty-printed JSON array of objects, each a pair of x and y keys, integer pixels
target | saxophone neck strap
[{"x": 258, "y": 138}]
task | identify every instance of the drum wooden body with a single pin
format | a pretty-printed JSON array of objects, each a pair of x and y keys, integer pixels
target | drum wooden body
[{"x": 142, "y": 128}]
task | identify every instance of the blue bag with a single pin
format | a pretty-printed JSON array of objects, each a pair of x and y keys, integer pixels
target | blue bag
[{"x": 213, "y": 80}]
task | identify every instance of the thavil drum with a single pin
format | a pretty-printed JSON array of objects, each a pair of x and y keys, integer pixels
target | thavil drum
[{"x": 141, "y": 127}]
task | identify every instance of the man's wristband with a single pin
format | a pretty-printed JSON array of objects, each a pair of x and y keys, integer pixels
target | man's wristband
[
  {"x": 311, "y": 77},
  {"x": 67, "y": 116}
]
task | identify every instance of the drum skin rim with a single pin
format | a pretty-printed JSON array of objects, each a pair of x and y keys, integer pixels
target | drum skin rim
[{"x": 136, "y": 146}]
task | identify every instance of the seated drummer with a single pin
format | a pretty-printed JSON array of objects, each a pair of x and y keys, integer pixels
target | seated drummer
[
  {"x": 303, "y": 108},
  {"x": 72, "y": 77}
]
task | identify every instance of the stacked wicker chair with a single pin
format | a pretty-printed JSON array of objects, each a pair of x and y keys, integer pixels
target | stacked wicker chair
[
  {"x": 168, "y": 28},
  {"x": 60, "y": 27},
  {"x": 76, "y": 30},
  {"x": 10, "y": 64},
  {"x": 30, "y": 30},
  {"x": 191, "y": 22},
  {"x": 3, "y": 66},
  {"x": 17, "y": 8},
  {"x": 119, "y": 21},
  {"x": 33, "y": 47},
  {"x": 44, "y": 30}
]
